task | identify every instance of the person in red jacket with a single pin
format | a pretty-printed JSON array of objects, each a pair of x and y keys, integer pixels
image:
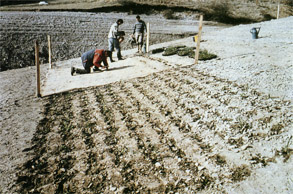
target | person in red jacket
[{"x": 92, "y": 58}]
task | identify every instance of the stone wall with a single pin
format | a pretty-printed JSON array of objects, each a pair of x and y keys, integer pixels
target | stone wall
[{"x": 253, "y": 9}]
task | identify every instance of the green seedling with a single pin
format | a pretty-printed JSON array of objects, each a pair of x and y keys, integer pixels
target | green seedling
[
  {"x": 185, "y": 51},
  {"x": 240, "y": 173},
  {"x": 220, "y": 160},
  {"x": 276, "y": 129},
  {"x": 241, "y": 125},
  {"x": 286, "y": 151},
  {"x": 204, "y": 55},
  {"x": 170, "y": 51}
]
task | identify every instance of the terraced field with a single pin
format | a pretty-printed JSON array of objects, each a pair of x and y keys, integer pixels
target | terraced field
[
  {"x": 180, "y": 130},
  {"x": 72, "y": 33}
]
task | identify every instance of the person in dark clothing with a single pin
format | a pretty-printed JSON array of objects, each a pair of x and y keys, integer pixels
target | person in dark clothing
[
  {"x": 139, "y": 31},
  {"x": 92, "y": 58}
]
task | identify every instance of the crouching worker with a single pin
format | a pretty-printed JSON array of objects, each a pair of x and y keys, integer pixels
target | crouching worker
[{"x": 92, "y": 58}]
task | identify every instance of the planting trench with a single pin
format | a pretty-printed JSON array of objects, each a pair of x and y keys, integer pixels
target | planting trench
[{"x": 180, "y": 130}]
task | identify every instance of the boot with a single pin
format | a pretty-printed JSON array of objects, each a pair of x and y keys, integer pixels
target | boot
[
  {"x": 73, "y": 70},
  {"x": 97, "y": 69},
  {"x": 82, "y": 71},
  {"x": 139, "y": 48}
]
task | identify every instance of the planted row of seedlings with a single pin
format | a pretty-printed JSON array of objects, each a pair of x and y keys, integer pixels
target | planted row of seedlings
[
  {"x": 149, "y": 169},
  {"x": 243, "y": 105},
  {"x": 254, "y": 116},
  {"x": 177, "y": 174},
  {"x": 195, "y": 149},
  {"x": 50, "y": 155},
  {"x": 169, "y": 128},
  {"x": 272, "y": 113},
  {"x": 168, "y": 132},
  {"x": 284, "y": 115},
  {"x": 248, "y": 113}
]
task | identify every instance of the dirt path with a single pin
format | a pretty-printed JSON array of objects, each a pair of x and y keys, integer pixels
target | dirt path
[
  {"x": 20, "y": 112},
  {"x": 139, "y": 66}
]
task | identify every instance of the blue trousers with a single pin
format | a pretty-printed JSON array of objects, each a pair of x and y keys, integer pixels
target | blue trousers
[{"x": 113, "y": 42}]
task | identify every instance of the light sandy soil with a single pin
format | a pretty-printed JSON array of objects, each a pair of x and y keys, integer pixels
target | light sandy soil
[{"x": 222, "y": 126}]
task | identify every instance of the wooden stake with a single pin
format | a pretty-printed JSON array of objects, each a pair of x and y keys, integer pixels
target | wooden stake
[
  {"x": 37, "y": 61},
  {"x": 50, "y": 51},
  {"x": 148, "y": 37},
  {"x": 198, "y": 39},
  {"x": 278, "y": 12}
]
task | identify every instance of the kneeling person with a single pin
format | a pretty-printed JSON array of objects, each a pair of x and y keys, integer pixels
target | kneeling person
[{"x": 92, "y": 58}]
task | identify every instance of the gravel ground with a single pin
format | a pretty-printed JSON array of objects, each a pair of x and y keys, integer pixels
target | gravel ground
[{"x": 209, "y": 128}]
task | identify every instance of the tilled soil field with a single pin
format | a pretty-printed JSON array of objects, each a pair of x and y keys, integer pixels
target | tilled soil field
[
  {"x": 73, "y": 33},
  {"x": 177, "y": 131}
]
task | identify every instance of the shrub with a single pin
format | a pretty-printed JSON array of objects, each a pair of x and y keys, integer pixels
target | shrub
[
  {"x": 289, "y": 3},
  {"x": 218, "y": 12},
  {"x": 203, "y": 55},
  {"x": 169, "y": 14},
  {"x": 185, "y": 51},
  {"x": 170, "y": 51}
]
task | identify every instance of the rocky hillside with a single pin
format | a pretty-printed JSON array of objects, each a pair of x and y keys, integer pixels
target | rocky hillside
[{"x": 246, "y": 10}]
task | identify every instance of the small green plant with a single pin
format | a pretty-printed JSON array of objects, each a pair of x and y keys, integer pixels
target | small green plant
[
  {"x": 170, "y": 51},
  {"x": 276, "y": 129},
  {"x": 205, "y": 181},
  {"x": 286, "y": 151},
  {"x": 186, "y": 51},
  {"x": 220, "y": 160},
  {"x": 238, "y": 142},
  {"x": 240, "y": 173},
  {"x": 241, "y": 125},
  {"x": 204, "y": 55}
]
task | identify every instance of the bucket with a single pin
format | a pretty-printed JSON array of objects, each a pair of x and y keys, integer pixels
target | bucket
[
  {"x": 254, "y": 31},
  {"x": 144, "y": 48}
]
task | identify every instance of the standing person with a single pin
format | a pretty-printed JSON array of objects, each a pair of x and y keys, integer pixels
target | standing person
[
  {"x": 92, "y": 58},
  {"x": 138, "y": 32},
  {"x": 113, "y": 38}
]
